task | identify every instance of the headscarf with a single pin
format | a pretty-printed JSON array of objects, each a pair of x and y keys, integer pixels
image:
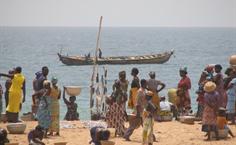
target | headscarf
[
  {"x": 54, "y": 80},
  {"x": 183, "y": 69}
]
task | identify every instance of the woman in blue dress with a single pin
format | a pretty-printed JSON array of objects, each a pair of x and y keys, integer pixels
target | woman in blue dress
[
  {"x": 44, "y": 114},
  {"x": 231, "y": 93}
]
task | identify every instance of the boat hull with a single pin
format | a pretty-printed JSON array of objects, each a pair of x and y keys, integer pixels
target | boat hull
[{"x": 122, "y": 60}]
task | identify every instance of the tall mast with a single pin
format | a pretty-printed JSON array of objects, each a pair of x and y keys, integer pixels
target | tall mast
[
  {"x": 95, "y": 69},
  {"x": 98, "y": 40}
]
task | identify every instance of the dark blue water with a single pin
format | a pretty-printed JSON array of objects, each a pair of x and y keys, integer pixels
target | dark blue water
[{"x": 35, "y": 47}]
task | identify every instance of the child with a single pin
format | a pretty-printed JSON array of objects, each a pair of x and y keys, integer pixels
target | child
[
  {"x": 71, "y": 113},
  {"x": 148, "y": 122},
  {"x": 3, "y": 136},
  {"x": 35, "y": 136},
  {"x": 222, "y": 122},
  {"x": 97, "y": 134}
]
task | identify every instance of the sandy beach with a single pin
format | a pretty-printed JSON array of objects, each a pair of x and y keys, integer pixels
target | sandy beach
[{"x": 167, "y": 133}]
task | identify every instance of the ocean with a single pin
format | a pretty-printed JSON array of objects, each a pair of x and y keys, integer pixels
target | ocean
[{"x": 34, "y": 47}]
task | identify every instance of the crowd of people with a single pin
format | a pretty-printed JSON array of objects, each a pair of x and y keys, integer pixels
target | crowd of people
[
  {"x": 216, "y": 102},
  {"x": 45, "y": 101}
]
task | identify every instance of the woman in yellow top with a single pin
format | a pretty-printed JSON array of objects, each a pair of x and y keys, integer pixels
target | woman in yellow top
[
  {"x": 15, "y": 94},
  {"x": 134, "y": 88},
  {"x": 55, "y": 95}
]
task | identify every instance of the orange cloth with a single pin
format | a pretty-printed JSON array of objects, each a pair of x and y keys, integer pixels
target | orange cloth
[
  {"x": 221, "y": 122},
  {"x": 133, "y": 97}
]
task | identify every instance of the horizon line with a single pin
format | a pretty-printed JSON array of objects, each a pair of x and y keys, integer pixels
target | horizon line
[{"x": 124, "y": 26}]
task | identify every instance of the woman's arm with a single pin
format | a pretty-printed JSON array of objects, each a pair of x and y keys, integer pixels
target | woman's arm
[
  {"x": 162, "y": 87},
  {"x": 24, "y": 92},
  {"x": 59, "y": 95},
  {"x": 64, "y": 96},
  {"x": 11, "y": 76}
]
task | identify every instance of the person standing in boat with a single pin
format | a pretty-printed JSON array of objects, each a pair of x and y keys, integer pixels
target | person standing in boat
[
  {"x": 153, "y": 85},
  {"x": 15, "y": 94},
  {"x": 184, "y": 85},
  {"x": 99, "y": 53},
  {"x": 134, "y": 88}
]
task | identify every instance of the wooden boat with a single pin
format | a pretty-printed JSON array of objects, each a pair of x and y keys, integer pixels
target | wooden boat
[{"x": 142, "y": 59}]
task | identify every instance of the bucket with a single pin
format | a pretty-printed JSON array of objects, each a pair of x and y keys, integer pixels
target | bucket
[{"x": 172, "y": 96}]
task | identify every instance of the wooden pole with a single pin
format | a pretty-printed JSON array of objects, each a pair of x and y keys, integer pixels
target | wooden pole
[
  {"x": 95, "y": 69},
  {"x": 98, "y": 40}
]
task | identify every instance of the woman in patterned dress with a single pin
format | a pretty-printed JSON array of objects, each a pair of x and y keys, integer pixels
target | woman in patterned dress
[
  {"x": 55, "y": 109},
  {"x": 43, "y": 113},
  {"x": 116, "y": 114},
  {"x": 211, "y": 101}
]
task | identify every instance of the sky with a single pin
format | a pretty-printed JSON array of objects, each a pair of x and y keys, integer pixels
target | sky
[{"x": 119, "y": 13}]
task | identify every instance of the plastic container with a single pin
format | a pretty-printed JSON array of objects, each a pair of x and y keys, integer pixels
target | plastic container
[
  {"x": 73, "y": 90},
  {"x": 172, "y": 96}
]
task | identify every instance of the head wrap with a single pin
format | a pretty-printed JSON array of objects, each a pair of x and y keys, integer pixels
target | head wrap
[{"x": 54, "y": 80}]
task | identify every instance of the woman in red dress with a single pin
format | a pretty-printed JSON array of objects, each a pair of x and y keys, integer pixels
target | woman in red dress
[{"x": 184, "y": 85}]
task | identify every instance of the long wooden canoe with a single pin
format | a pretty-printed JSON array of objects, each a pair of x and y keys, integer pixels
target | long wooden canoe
[{"x": 142, "y": 59}]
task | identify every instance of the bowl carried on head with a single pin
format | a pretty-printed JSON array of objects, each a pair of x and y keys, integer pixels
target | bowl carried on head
[
  {"x": 232, "y": 61},
  {"x": 73, "y": 90}
]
